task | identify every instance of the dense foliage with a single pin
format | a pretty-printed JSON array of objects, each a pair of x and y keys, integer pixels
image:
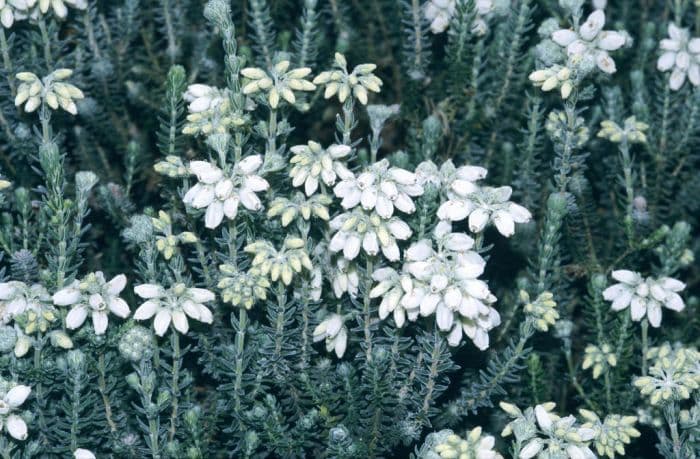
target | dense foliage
[{"x": 349, "y": 228}]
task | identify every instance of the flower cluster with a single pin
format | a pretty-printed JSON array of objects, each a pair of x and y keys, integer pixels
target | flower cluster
[
  {"x": 443, "y": 282},
  {"x": 543, "y": 310},
  {"x": 28, "y": 305},
  {"x": 313, "y": 162},
  {"x": 612, "y": 434},
  {"x": 174, "y": 304},
  {"x": 16, "y": 10},
  {"x": 554, "y": 77},
  {"x": 12, "y": 396},
  {"x": 333, "y": 331},
  {"x": 95, "y": 296},
  {"x": 51, "y": 90},
  {"x": 242, "y": 288},
  {"x": 674, "y": 375},
  {"x": 440, "y": 13},
  {"x": 278, "y": 82},
  {"x": 445, "y": 444},
  {"x": 167, "y": 243},
  {"x": 547, "y": 435},
  {"x": 481, "y": 205},
  {"x": 342, "y": 83},
  {"x": 210, "y": 111},
  {"x": 221, "y": 191},
  {"x": 645, "y": 297},
  {"x": 632, "y": 132},
  {"x": 681, "y": 56},
  {"x": 290, "y": 209},
  {"x": 598, "y": 357},
  {"x": 279, "y": 264},
  {"x": 359, "y": 228},
  {"x": 589, "y": 45}
]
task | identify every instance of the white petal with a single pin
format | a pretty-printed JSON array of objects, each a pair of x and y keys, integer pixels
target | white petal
[
  {"x": 250, "y": 164},
  {"x": 249, "y": 200},
  {"x": 531, "y": 449},
  {"x": 161, "y": 322},
  {"x": 81, "y": 453},
  {"x": 146, "y": 310},
  {"x": 611, "y": 41},
  {"x": 504, "y": 223},
  {"x": 205, "y": 314},
  {"x": 206, "y": 172},
  {"x": 66, "y": 296},
  {"x": 119, "y": 307},
  {"x": 352, "y": 247},
  {"x": 116, "y": 285},
  {"x": 627, "y": 277},
  {"x": 214, "y": 215},
  {"x": 455, "y": 335},
  {"x": 654, "y": 314},
  {"x": 593, "y": 25},
  {"x": 677, "y": 79},
  {"x": 76, "y": 317},
  {"x": 638, "y": 307},
  {"x": 444, "y": 317},
  {"x": 16, "y": 396},
  {"x": 666, "y": 61},
  {"x": 149, "y": 291},
  {"x": 543, "y": 418},
  {"x": 478, "y": 220},
  {"x": 605, "y": 62},
  {"x": 16, "y": 427},
  {"x": 564, "y": 37},
  {"x": 180, "y": 322},
  {"x": 674, "y": 302},
  {"x": 99, "y": 322}
]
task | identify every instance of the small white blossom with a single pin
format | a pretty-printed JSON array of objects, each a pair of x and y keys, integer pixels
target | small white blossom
[
  {"x": 279, "y": 264},
  {"x": 345, "y": 278},
  {"x": 12, "y": 396},
  {"x": 380, "y": 187},
  {"x": 210, "y": 110},
  {"x": 51, "y": 90},
  {"x": 95, "y": 296},
  {"x": 483, "y": 205},
  {"x": 312, "y": 163},
  {"x": 12, "y": 10},
  {"x": 220, "y": 191},
  {"x": 681, "y": 55},
  {"x": 28, "y": 305},
  {"x": 82, "y": 453},
  {"x": 446, "y": 444},
  {"x": 554, "y": 77},
  {"x": 333, "y": 331},
  {"x": 60, "y": 7},
  {"x": 358, "y": 229},
  {"x": 590, "y": 40},
  {"x": 173, "y": 304},
  {"x": 441, "y": 12},
  {"x": 342, "y": 83},
  {"x": 645, "y": 297},
  {"x": 278, "y": 82},
  {"x": 290, "y": 209}
]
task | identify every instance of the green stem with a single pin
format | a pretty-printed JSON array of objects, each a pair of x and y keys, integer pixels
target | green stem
[
  {"x": 645, "y": 345},
  {"x": 240, "y": 341},
  {"x": 7, "y": 62},
  {"x": 47, "y": 44},
  {"x": 366, "y": 310},
  {"x": 175, "y": 384},
  {"x": 102, "y": 382}
]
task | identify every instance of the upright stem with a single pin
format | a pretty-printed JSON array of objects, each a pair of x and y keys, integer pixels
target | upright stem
[
  {"x": 240, "y": 341},
  {"x": 366, "y": 310},
  {"x": 629, "y": 189},
  {"x": 348, "y": 120},
  {"x": 103, "y": 391},
  {"x": 175, "y": 385},
  {"x": 47, "y": 44},
  {"x": 7, "y": 62},
  {"x": 271, "y": 134},
  {"x": 645, "y": 345}
]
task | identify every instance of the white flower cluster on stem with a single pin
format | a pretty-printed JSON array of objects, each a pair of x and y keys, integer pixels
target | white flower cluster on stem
[
  {"x": 644, "y": 297},
  {"x": 444, "y": 283},
  {"x": 221, "y": 191},
  {"x": 174, "y": 305},
  {"x": 681, "y": 56}
]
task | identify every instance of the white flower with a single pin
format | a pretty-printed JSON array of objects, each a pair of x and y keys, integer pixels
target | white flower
[
  {"x": 440, "y": 13},
  {"x": 220, "y": 192},
  {"x": 12, "y": 10},
  {"x": 380, "y": 187},
  {"x": 31, "y": 305},
  {"x": 210, "y": 110},
  {"x": 173, "y": 304},
  {"x": 95, "y": 296},
  {"x": 81, "y": 453},
  {"x": 342, "y": 83},
  {"x": 358, "y": 229},
  {"x": 51, "y": 90},
  {"x": 345, "y": 278},
  {"x": 645, "y": 297},
  {"x": 279, "y": 264},
  {"x": 483, "y": 206},
  {"x": 278, "y": 82},
  {"x": 681, "y": 55},
  {"x": 552, "y": 78},
  {"x": 60, "y": 7},
  {"x": 313, "y": 163},
  {"x": 591, "y": 40},
  {"x": 474, "y": 445},
  {"x": 333, "y": 331},
  {"x": 11, "y": 399}
]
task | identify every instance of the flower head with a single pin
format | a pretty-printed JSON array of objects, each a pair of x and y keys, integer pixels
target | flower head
[
  {"x": 12, "y": 396},
  {"x": 599, "y": 358},
  {"x": 241, "y": 288},
  {"x": 381, "y": 188},
  {"x": 51, "y": 90},
  {"x": 633, "y": 131},
  {"x": 95, "y": 296},
  {"x": 645, "y": 297},
  {"x": 342, "y": 83},
  {"x": 28, "y": 305},
  {"x": 210, "y": 111},
  {"x": 681, "y": 56},
  {"x": 674, "y": 375},
  {"x": 278, "y": 82},
  {"x": 445, "y": 444},
  {"x": 279, "y": 264},
  {"x": 290, "y": 209},
  {"x": 554, "y": 77},
  {"x": 359, "y": 229},
  {"x": 612, "y": 434},
  {"x": 174, "y": 304},
  {"x": 440, "y": 13},
  {"x": 543, "y": 310},
  {"x": 332, "y": 329},
  {"x": 221, "y": 191},
  {"x": 591, "y": 41},
  {"x": 312, "y": 163},
  {"x": 166, "y": 242},
  {"x": 345, "y": 278}
]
